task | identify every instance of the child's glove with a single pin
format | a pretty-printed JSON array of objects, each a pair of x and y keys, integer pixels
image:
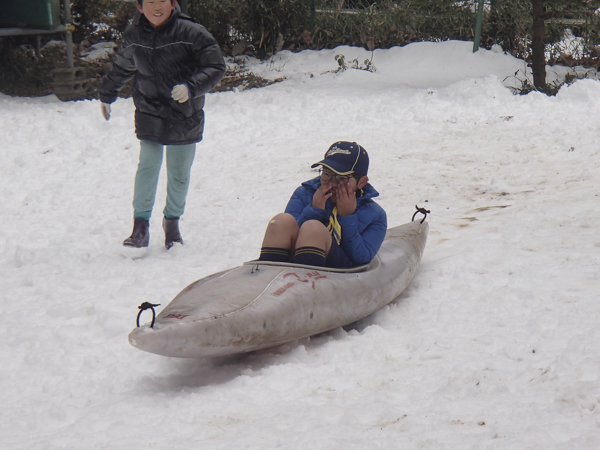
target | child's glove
[
  {"x": 105, "y": 110},
  {"x": 180, "y": 93}
]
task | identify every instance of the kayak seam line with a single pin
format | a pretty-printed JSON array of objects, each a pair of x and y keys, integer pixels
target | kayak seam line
[{"x": 249, "y": 304}]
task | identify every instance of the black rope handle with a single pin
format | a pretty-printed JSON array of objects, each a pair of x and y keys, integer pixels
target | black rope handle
[
  {"x": 143, "y": 307},
  {"x": 422, "y": 211}
]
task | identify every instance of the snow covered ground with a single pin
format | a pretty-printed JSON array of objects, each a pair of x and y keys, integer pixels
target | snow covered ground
[{"x": 494, "y": 345}]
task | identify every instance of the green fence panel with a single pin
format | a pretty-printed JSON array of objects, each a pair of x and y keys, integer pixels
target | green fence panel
[{"x": 42, "y": 14}]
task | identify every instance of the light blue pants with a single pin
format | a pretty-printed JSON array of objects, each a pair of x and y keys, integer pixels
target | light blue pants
[{"x": 179, "y": 166}]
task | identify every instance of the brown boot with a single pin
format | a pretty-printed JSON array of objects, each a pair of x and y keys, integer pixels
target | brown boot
[
  {"x": 172, "y": 235},
  {"x": 140, "y": 237}
]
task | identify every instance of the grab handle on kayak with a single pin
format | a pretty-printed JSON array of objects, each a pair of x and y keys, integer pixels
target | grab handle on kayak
[
  {"x": 422, "y": 211},
  {"x": 143, "y": 307}
]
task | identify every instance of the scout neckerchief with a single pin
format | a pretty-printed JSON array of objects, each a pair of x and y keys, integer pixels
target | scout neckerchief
[{"x": 334, "y": 226}]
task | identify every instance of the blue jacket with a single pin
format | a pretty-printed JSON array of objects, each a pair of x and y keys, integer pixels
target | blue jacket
[{"x": 362, "y": 232}]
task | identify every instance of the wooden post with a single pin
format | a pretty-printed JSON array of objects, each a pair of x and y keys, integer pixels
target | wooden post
[
  {"x": 538, "y": 59},
  {"x": 478, "y": 25}
]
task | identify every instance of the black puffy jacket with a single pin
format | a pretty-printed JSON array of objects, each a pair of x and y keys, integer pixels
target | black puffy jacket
[{"x": 178, "y": 51}]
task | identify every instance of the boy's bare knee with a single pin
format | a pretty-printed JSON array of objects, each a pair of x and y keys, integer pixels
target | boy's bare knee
[
  {"x": 313, "y": 226},
  {"x": 314, "y": 234},
  {"x": 282, "y": 231},
  {"x": 283, "y": 220}
]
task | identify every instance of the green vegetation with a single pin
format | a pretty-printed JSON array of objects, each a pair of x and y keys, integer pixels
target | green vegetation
[{"x": 261, "y": 28}]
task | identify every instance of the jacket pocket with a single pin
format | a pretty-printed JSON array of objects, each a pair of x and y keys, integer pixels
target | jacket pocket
[{"x": 183, "y": 110}]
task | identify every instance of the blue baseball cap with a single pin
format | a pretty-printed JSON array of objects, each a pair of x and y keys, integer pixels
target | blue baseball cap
[{"x": 345, "y": 158}]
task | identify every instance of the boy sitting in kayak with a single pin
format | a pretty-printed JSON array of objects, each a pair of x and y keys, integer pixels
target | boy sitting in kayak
[{"x": 331, "y": 220}]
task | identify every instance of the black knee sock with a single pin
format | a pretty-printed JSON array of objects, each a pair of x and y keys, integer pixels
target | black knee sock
[
  {"x": 274, "y": 254},
  {"x": 310, "y": 256}
]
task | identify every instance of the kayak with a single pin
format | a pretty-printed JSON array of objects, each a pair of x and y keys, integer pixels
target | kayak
[{"x": 262, "y": 304}]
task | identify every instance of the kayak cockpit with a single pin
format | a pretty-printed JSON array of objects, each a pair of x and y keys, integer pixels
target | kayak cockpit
[{"x": 374, "y": 263}]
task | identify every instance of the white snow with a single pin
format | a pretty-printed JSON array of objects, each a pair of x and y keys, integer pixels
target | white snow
[
  {"x": 99, "y": 51},
  {"x": 495, "y": 344}
]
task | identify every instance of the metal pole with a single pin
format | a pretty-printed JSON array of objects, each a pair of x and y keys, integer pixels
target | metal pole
[
  {"x": 69, "y": 33},
  {"x": 478, "y": 23},
  {"x": 38, "y": 45}
]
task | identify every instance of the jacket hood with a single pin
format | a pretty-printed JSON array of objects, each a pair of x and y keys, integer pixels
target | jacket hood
[{"x": 368, "y": 191}]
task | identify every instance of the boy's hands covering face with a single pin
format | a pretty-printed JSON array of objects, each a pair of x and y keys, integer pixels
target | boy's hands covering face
[
  {"x": 321, "y": 195},
  {"x": 345, "y": 199}
]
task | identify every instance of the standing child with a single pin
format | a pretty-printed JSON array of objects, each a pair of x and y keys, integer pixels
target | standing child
[
  {"x": 331, "y": 220},
  {"x": 174, "y": 62}
]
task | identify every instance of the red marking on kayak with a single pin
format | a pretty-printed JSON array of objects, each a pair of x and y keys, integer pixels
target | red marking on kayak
[
  {"x": 176, "y": 316},
  {"x": 309, "y": 277},
  {"x": 282, "y": 289}
]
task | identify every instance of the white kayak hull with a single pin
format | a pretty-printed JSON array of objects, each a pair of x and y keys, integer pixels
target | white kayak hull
[{"x": 259, "y": 305}]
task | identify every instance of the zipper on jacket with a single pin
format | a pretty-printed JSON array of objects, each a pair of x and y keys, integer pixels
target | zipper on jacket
[{"x": 154, "y": 34}]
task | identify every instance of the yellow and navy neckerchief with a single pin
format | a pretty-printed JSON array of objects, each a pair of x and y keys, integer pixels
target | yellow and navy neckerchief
[{"x": 334, "y": 226}]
